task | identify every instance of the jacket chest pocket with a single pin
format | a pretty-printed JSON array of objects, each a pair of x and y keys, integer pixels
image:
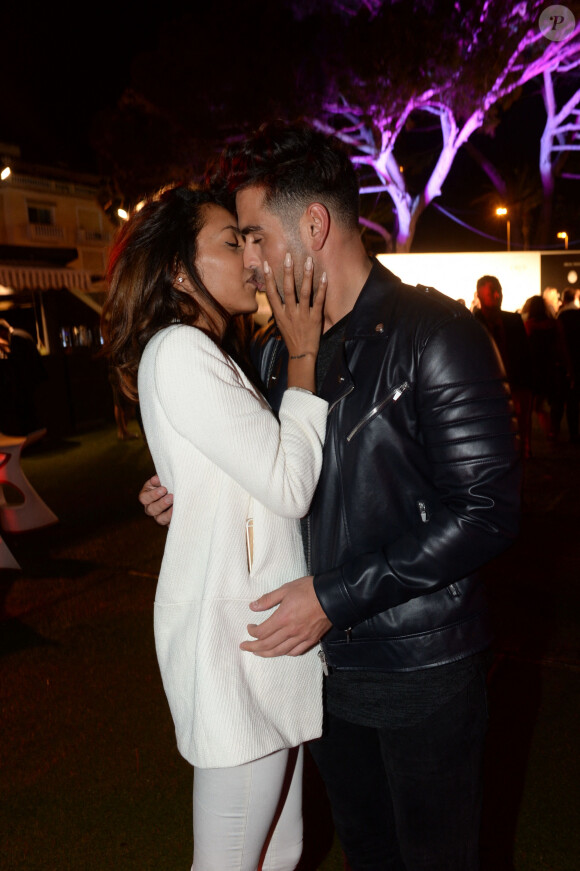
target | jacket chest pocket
[{"x": 391, "y": 397}]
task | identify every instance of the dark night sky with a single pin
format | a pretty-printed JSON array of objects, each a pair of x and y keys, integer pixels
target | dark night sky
[
  {"x": 57, "y": 70},
  {"x": 59, "y": 65}
]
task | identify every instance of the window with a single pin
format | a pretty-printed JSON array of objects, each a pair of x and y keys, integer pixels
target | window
[{"x": 40, "y": 213}]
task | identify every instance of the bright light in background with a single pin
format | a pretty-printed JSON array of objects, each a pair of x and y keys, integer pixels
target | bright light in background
[
  {"x": 123, "y": 214},
  {"x": 5, "y": 173},
  {"x": 564, "y": 236},
  {"x": 456, "y": 274},
  {"x": 501, "y": 210},
  {"x": 264, "y": 313}
]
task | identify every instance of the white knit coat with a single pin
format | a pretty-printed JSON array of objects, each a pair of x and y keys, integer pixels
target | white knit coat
[{"x": 219, "y": 449}]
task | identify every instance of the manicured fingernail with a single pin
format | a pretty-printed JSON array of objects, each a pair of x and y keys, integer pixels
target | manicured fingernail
[
  {"x": 323, "y": 277},
  {"x": 266, "y": 267},
  {"x": 288, "y": 260},
  {"x": 308, "y": 264}
]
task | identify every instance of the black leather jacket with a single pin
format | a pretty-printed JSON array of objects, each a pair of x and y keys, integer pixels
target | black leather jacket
[{"x": 420, "y": 483}]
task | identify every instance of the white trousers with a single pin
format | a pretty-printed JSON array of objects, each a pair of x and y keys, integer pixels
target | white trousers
[{"x": 249, "y": 817}]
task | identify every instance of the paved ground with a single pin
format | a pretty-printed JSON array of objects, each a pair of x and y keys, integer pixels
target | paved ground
[{"x": 89, "y": 774}]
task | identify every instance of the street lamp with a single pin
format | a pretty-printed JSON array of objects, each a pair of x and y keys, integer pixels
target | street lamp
[
  {"x": 503, "y": 211},
  {"x": 564, "y": 236},
  {"x": 5, "y": 173}
]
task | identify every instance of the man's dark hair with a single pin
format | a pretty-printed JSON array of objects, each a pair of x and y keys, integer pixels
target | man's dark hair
[
  {"x": 295, "y": 165},
  {"x": 568, "y": 295},
  {"x": 489, "y": 279}
]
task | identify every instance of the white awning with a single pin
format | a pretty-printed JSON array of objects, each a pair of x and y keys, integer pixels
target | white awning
[{"x": 36, "y": 278}]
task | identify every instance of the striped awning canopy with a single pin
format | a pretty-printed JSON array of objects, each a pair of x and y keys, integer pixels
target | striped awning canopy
[{"x": 39, "y": 278}]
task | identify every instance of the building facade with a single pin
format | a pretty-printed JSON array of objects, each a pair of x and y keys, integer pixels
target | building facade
[{"x": 55, "y": 237}]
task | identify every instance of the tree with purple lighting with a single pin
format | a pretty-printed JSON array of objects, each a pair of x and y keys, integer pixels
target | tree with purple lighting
[
  {"x": 406, "y": 83},
  {"x": 402, "y": 74},
  {"x": 561, "y": 137},
  {"x": 531, "y": 190}
]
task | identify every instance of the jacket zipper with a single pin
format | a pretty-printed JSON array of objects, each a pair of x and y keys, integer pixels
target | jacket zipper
[
  {"x": 273, "y": 358},
  {"x": 340, "y": 398},
  {"x": 393, "y": 396}
]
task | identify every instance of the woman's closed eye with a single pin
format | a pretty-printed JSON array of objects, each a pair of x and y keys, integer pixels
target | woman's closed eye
[{"x": 236, "y": 241}]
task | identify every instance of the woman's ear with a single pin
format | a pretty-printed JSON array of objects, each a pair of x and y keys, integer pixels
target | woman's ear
[
  {"x": 316, "y": 225},
  {"x": 181, "y": 282}
]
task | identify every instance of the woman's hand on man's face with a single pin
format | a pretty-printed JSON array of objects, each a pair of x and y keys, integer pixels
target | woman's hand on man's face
[{"x": 299, "y": 318}]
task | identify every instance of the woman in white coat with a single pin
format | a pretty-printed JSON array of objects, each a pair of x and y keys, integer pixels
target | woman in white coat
[{"x": 178, "y": 296}]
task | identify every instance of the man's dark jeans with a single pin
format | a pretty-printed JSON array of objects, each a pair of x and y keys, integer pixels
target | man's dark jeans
[{"x": 409, "y": 799}]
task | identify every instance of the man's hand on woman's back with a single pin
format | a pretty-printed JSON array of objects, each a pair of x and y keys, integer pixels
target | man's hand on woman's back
[{"x": 157, "y": 502}]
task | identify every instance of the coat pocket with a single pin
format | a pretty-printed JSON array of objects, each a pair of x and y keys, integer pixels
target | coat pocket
[
  {"x": 393, "y": 396},
  {"x": 250, "y": 535},
  {"x": 250, "y": 542}
]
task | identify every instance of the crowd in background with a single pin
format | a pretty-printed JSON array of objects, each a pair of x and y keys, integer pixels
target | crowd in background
[
  {"x": 540, "y": 349},
  {"x": 539, "y": 346}
]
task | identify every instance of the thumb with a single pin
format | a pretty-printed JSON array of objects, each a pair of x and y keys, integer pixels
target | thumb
[{"x": 267, "y": 601}]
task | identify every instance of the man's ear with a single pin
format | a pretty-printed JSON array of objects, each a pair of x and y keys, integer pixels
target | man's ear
[{"x": 315, "y": 226}]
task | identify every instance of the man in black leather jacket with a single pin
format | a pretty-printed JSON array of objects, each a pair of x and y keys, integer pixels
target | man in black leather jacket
[{"x": 419, "y": 489}]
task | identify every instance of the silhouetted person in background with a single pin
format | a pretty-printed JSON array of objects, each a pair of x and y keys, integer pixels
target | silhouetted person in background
[
  {"x": 552, "y": 299},
  {"x": 508, "y": 331},
  {"x": 22, "y": 372},
  {"x": 569, "y": 319},
  {"x": 570, "y": 300},
  {"x": 548, "y": 365}
]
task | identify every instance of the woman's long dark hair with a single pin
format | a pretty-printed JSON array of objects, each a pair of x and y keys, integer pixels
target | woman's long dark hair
[{"x": 151, "y": 247}]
